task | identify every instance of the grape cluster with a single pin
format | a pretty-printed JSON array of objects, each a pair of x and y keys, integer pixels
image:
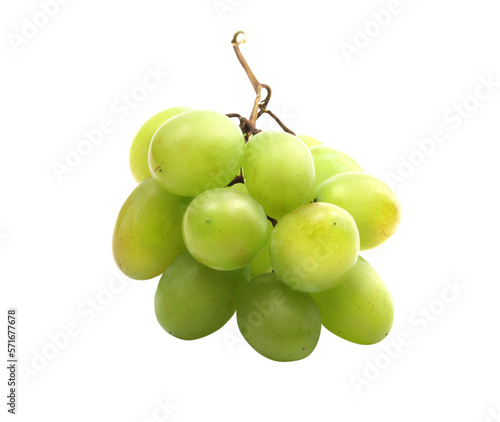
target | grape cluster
[{"x": 268, "y": 225}]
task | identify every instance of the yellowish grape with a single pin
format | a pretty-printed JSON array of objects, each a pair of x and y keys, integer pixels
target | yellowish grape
[
  {"x": 148, "y": 235},
  {"x": 139, "y": 149},
  {"x": 309, "y": 141},
  {"x": 373, "y": 205},
  {"x": 328, "y": 162}
]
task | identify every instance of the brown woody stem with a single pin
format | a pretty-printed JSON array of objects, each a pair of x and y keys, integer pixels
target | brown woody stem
[
  {"x": 257, "y": 86},
  {"x": 259, "y": 106}
]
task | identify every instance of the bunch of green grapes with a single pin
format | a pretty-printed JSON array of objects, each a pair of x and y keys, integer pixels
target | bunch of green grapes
[{"x": 267, "y": 225}]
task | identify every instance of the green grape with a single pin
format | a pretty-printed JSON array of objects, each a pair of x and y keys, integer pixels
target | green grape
[
  {"x": 224, "y": 229},
  {"x": 193, "y": 301},
  {"x": 328, "y": 162},
  {"x": 314, "y": 246},
  {"x": 262, "y": 263},
  {"x": 373, "y": 205},
  {"x": 240, "y": 187},
  {"x": 360, "y": 308},
  {"x": 279, "y": 172},
  {"x": 278, "y": 322},
  {"x": 148, "y": 231},
  {"x": 309, "y": 141},
  {"x": 138, "y": 156},
  {"x": 196, "y": 151}
]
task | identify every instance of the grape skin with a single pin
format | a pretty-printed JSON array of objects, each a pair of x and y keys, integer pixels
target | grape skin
[
  {"x": 240, "y": 187},
  {"x": 225, "y": 229},
  {"x": 138, "y": 156},
  {"x": 279, "y": 323},
  {"x": 360, "y": 309},
  {"x": 313, "y": 246},
  {"x": 147, "y": 234},
  {"x": 309, "y": 141},
  {"x": 196, "y": 151},
  {"x": 262, "y": 263},
  {"x": 193, "y": 301},
  {"x": 328, "y": 162},
  {"x": 373, "y": 205},
  {"x": 279, "y": 172}
]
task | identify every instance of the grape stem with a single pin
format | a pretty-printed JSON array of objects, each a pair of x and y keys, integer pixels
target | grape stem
[
  {"x": 259, "y": 106},
  {"x": 273, "y": 221},
  {"x": 237, "y": 179},
  {"x": 246, "y": 127}
]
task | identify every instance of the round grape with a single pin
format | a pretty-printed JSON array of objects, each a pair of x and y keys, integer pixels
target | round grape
[
  {"x": 373, "y": 205},
  {"x": 193, "y": 301},
  {"x": 360, "y": 308},
  {"x": 225, "y": 229},
  {"x": 314, "y": 246},
  {"x": 196, "y": 151},
  {"x": 278, "y": 322},
  {"x": 279, "y": 172},
  {"x": 148, "y": 231},
  {"x": 139, "y": 149}
]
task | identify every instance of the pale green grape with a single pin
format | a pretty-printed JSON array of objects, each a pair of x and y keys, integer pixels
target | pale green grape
[
  {"x": 240, "y": 187},
  {"x": 262, "y": 263},
  {"x": 224, "y": 229},
  {"x": 328, "y": 162},
  {"x": 193, "y": 301},
  {"x": 373, "y": 205},
  {"x": 138, "y": 156},
  {"x": 148, "y": 233},
  {"x": 360, "y": 308},
  {"x": 279, "y": 172},
  {"x": 196, "y": 151},
  {"x": 314, "y": 246},
  {"x": 309, "y": 141},
  {"x": 278, "y": 322}
]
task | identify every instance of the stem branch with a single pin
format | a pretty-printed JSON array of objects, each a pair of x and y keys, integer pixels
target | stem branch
[
  {"x": 257, "y": 86},
  {"x": 259, "y": 105}
]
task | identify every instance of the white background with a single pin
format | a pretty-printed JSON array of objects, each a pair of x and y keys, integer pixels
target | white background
[{"x": 55, "y": 233}]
